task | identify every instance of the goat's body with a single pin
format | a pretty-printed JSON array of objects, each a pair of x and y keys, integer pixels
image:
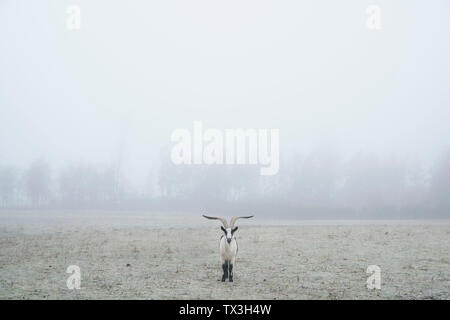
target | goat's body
[{"x": 228, "y": 251}]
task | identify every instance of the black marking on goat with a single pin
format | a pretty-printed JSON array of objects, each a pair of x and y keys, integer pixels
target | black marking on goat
[
  {"x": 225, "y": 271},
  {"x": 230, "y": 272}
]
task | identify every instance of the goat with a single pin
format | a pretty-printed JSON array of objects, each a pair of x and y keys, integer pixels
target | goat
[{"x": 228, "y": 246}]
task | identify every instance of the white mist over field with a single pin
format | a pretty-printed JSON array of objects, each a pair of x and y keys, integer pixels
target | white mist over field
[
  {"x": 86, "y": 115},
  {"x": 103, "y": 103}
]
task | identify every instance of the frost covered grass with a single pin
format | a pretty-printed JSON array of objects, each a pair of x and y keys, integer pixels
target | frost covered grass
[{"x": 147, "y": 260}]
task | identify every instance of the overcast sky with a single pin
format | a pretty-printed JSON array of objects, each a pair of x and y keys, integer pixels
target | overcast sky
[{"x": 137, "y": 70}]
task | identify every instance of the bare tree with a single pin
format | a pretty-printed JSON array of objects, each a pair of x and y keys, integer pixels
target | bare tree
[
  {"x": 440, "y": 181},
  {"x": 37, "y": 182},
  {"x": 7, "y": 186},
  {"x": 84, "y": 185}
]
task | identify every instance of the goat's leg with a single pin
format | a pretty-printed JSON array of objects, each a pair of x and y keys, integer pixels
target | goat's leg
[
  {"x": 225, "y": 270},
  {"x": 230, "y": 272}
]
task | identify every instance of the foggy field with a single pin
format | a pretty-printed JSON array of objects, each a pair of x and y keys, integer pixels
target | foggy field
[
  {"x": 136, "y": 256},
  {"x": 287, "y": 111}
]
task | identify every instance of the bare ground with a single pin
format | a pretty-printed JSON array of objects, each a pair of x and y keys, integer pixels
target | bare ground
[{"x": 274, "y": 262}]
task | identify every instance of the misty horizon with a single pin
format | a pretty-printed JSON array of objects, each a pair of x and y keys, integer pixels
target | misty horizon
[{"x": 86, "y": 116}]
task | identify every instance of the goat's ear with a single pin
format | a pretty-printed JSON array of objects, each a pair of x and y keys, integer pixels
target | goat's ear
[
  {"x": 234, "y": 229},
  {"x": 223, "y": 229}
]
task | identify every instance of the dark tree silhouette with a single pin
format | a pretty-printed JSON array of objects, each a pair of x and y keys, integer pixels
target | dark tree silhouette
[
  {"x": 84, "y": 185},
  {"x": 7, "y": 186},
  {"x": 37, "y": 182},
  {"x": 440, "y": 181}
]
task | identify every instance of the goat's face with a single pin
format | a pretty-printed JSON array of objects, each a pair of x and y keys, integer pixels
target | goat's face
[{"x": 229, "y": 233}]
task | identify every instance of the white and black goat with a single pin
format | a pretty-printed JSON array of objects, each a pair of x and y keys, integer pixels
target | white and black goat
[{"x": 228, "y": 246}]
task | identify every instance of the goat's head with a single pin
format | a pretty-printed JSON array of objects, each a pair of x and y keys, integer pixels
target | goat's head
[
  {"x": 229, "y": 233},
  {"x": 228, "y": 230}
]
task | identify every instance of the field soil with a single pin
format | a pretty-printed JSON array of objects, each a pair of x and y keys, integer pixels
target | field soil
[{"x": 143, "y": 257}]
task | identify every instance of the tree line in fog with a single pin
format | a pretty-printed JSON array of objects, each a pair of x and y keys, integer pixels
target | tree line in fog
[{"x": 315, "y": 185}]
